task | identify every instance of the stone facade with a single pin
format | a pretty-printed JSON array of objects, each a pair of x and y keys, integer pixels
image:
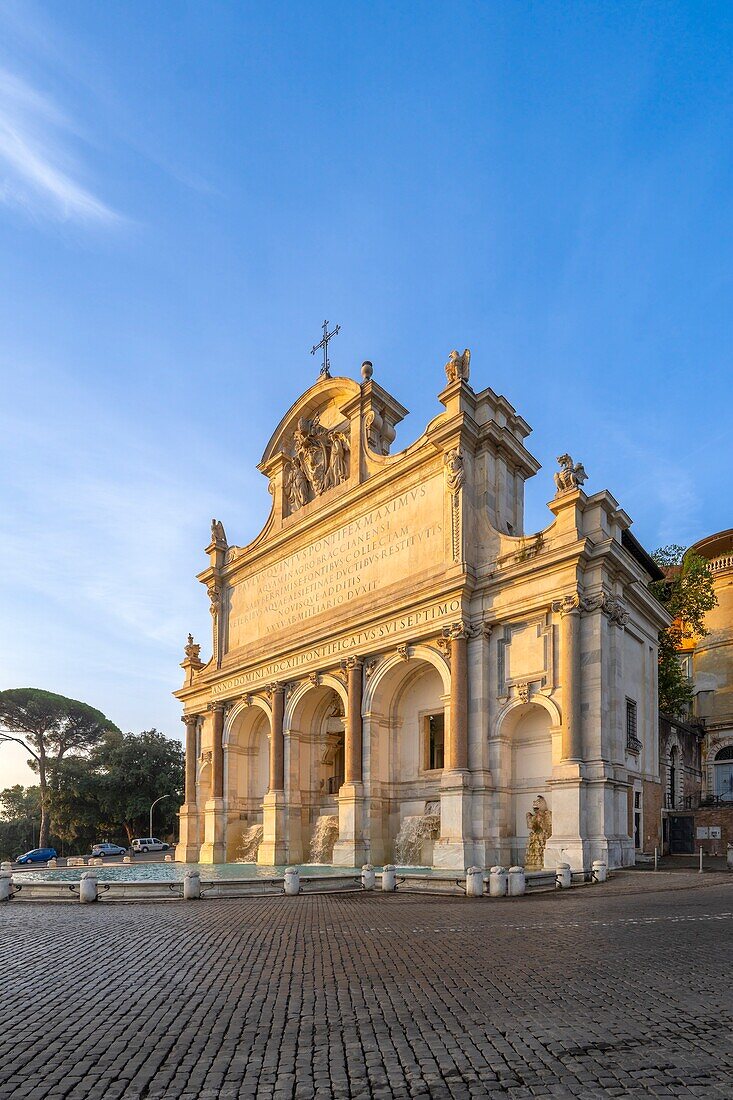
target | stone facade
[
  {"x": 392, "y": 647},
  {"x": 712, "y": 672}
]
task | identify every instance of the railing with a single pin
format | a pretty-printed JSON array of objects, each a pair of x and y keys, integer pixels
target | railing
[
  {"x": 633, "y": 744},
  {"x": 687, "y": 802},
  {"x": 335, "y": 782},
  {"x": 720, "y": 564}
]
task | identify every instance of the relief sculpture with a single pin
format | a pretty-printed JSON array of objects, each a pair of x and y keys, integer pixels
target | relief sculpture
[{"x": 320, "y": 461}]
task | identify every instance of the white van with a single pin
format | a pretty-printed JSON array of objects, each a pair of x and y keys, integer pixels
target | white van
[{"x": 149, "y": 844}]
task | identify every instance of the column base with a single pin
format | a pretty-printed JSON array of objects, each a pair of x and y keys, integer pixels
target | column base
[
  {"x": 568, "y": 849},
  {"x": 187, "y": 848},
  {"x": 214, "y": 848},
  {"x": 350, "y": 849},
  {"x": 454, "y": 849},
  {"x": 273, "y": 851}
]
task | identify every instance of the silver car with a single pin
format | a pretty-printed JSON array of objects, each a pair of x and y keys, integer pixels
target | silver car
[
  {"x": 107, "y": 849},
  {"x": 149, "y": 844}
]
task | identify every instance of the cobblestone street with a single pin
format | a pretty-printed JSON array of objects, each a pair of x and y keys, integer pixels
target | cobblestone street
[{"x": 621, "y": 990}]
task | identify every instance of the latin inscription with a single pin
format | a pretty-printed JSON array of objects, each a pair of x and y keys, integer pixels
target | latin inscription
[
  {"x": 393, "y": 541},
  {"x": 361, "y": 640}
]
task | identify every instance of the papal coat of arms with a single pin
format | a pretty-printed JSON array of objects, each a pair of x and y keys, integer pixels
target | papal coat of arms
[{"x": 320, "y": 461}]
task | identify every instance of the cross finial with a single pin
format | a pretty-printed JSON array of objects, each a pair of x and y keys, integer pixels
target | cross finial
[{"x": 325, "y": 371}]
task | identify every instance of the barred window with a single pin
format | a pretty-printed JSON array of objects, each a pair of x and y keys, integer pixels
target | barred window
[
  {"x": 633, "y": 744},
  {"x": 631, "y": 718}
]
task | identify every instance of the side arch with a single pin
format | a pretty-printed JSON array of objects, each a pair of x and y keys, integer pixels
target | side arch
[
  {"x": 541, "y": 700},
  {"x": 238, "y": 709}
]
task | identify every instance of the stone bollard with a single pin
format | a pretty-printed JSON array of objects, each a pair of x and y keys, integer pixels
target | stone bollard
[
  {"x": 730, "y": 857},
  {"x": 389, "y": 877},
  {"x": 88, "y": 887},
  {"x": 292, "y": 881},
  {"x": 563, "y": 876},
  {"x": 6, "y": 885},
  {"x": 517, "y": 882},
  {"x": 127, "y": 859},
  {"x": 474, "y": 882},
  {"x": 498, "y": 882},
  {"x": 192, "y": 885},
  {"x": 368, "y": 877},
  {"x": 168, "y": 858},
  {"x": 6, "y": 865},
  {"x": 600, "y": 870},
  {"x": 52, "y": 863}
]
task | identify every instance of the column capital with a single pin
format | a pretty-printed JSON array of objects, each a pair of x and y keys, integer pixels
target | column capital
[
  {"x": 457, "y": 631},
  {"x": 348, "y": 664},
  {"x": 190, "y": 719},
  {"x": 567, "y": 605},
  {"x": 277, "y": 687},
  {"x": 219, "y": 706}
]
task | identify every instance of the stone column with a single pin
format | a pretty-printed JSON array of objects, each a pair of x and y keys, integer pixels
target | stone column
[
  {"x": 353, "y": 763},
  {"x": 274, "y": 849},
  {"x": 187, "y": 849},
  {"x": 217, "y": 752},
  {"x": 350, "y": 848},
  {"x": 570, "y": 825},
  {"x": 277, "y": 744},
  {"x": 213, "y": 849},
  {"x": 572, "y": 732},
  {"x": 191, "y": 722},
  {"x": 458, "y": 738},
  {"x": 454, "y": 849}
]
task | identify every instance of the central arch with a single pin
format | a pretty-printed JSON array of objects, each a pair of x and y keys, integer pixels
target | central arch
[
  {"x": 406, "y": 715},
  {"x": 528, "y": 742},
  {"x": 314, "y": 730}
]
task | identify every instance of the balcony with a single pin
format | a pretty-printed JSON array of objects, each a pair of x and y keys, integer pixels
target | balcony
[{"x": 722, "y": 563}]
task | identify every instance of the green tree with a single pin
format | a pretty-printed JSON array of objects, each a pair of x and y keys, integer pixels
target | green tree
[
  {"x": 687, "y": 593},
  {"x": 19, "y": 810},
  {"x": 49, "y": 727},
  {"x": 135, "y": 769}
]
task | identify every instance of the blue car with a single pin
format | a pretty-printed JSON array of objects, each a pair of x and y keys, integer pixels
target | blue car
[{"x": 37, "y": 855}]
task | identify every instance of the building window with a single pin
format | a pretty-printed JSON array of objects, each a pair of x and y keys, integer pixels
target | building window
[
  {"x": 673, "y": 771},
  {"x": 724, "y": 774},
  {"x": 685, "y": 660},
  {"x": 434, "y": 741},
  {"x": 633, "y": 744}
]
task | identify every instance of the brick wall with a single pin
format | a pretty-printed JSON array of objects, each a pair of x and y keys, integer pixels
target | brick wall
[
  {"x": 715, "y": 815},
  {"x": 652, "y": 795}
]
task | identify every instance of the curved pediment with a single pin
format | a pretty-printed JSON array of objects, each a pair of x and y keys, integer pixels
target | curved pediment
[{"x": 327, "y": 401}]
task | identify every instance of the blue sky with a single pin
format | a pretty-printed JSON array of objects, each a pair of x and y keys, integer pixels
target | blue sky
[{"x": 188, "y": 189}]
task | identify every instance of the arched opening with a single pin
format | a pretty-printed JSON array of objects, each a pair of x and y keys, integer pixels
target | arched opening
[
  {"x": 247, "y": 776},
  {"x": 315, "y": 736},
  {"x": 407, "y": 720},
  {"x": 526, "y": 769},
  {"x": 724, "y": 774},
  {"x": 674, "y": 766}
]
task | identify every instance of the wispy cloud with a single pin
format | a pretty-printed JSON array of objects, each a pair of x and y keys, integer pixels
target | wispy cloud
[{"x": 38, "y": 171}]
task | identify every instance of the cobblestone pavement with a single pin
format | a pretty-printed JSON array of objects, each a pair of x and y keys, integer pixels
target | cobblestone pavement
[{"x": 622, "y": 990}]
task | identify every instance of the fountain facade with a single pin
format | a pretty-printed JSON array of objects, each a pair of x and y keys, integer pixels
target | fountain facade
[
  {"x": 325, "y": 835},
  {"x": 251, "y": 840},
  {"x": 414, "y": 842}
]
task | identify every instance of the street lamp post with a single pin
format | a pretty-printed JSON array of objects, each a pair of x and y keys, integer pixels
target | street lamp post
[{"x": 151, "y": 811}]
